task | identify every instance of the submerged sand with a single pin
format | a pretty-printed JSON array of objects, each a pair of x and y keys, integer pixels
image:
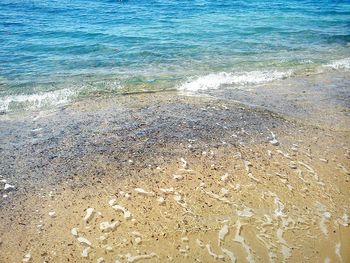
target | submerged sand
[{"x": 174, "y": 178}]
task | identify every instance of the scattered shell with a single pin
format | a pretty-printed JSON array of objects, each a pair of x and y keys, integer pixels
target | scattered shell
[
  {"x": 343, "y": 169},
  {"x": 177, "y": 177},
  {"x": 85, "y": 252},
  {"x": 269, "y": 153},
  {"x": 218, "y": 197},
  {"x": 109, "y": 248},
  {"x": 52, "y": 214},
  {"x": 107, "y": 226},
  {"x": 247, "y": 212},
  {"x": 184, "y": 163},
  {"x": 167, "y": 190},
  {"x": 182, "y": 251},
  {"x": 101, "y": 238},
  {"x": 143, "y": 192},
  {"x": 284, "y": 154},
  {"x": 127, "y": 214},
  {"x": 27, "y": 257},
  {"x": 293, "y": 165},
  {"x": 112, "y": 201},
  {"x": 138, "y": 240},
  {"x": 100, "y": 260},
  {"x": 224, "y": 177},
  {"x": 135, "y": 233},
  {"x": 89, "y": 214},
  {"x": 161, "y": 200},
  {"x": 84, "y": 241},
  {"x": 202, "y": 184},
  {"x": 247, "y": 166},
  {"x": 224, "y": 192},
  {"x": 178, "y": 198},
  {"x": 274, "y": 141},
  {"x": 184, "y": 239},
  {"x": 307, "y": 166},
  {"x": 9, "y": 187}
]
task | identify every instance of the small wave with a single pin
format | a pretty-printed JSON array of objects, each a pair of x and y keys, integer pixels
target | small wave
[
  {"x": 215, "y": 81},
  {"x": 340, "y": 64},
  {"x": 35, "y": 101}
]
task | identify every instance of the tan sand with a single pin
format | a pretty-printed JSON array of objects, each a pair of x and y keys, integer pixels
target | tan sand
[{"x": 242, "y": 202}]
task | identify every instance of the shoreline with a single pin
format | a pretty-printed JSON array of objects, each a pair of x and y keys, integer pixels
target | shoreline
[{"x": 86, "y": 154}]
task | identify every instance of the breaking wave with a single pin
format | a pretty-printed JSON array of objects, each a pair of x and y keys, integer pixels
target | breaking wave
[
  {"x": 35, "y": 101},
  {"x": 215, "y": 81},
  {"x": 340, "y": 64}
]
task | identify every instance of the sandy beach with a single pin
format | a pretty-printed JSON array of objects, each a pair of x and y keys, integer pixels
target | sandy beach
[{"x": 172, "y": 177}]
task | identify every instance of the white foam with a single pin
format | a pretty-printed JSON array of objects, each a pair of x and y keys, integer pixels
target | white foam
[
  {"x": 340, "y": 64},
  {"x": 216, "y": 80},
  {"x": 36, "y": 101},
  {"x": 337, "y": 251}
]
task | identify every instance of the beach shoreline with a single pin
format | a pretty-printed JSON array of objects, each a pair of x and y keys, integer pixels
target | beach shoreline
[
  {"x": 217, "y": 179},
  {"x": 174, "y": 131}
]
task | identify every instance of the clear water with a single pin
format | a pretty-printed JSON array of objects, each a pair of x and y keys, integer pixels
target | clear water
[{"x": 54, "y": 50}]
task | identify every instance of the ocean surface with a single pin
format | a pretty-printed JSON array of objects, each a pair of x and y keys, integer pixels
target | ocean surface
[{"x": 53, "y": 52}]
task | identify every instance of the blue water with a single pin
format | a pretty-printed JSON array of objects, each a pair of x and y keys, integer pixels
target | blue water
[{"x": 64, "y": 47}]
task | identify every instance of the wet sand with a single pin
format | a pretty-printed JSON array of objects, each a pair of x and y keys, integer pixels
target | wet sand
[{"x": 175, "y": 178}]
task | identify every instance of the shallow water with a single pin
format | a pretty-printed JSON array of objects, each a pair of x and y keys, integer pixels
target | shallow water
[
  {"x": 84, "y": 47},
  {"x": 213, "y": 157}
]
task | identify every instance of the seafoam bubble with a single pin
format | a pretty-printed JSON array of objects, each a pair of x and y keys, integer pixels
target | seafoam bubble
[
  {"x": 131, "y": 258},
  {"x": 211, "y": 252},
  {"x": 223, "y": 233},
  {"x": 337, "y": 251},
  {"x": 239, "y": 239},
  {"x": 325, "y": 216}
]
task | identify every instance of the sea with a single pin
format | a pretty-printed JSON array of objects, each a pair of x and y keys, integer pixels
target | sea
[{"x": 59, "y": 51}]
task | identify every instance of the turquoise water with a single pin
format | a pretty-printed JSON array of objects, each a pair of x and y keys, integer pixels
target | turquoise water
[{"x": 52, "y": 51}]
